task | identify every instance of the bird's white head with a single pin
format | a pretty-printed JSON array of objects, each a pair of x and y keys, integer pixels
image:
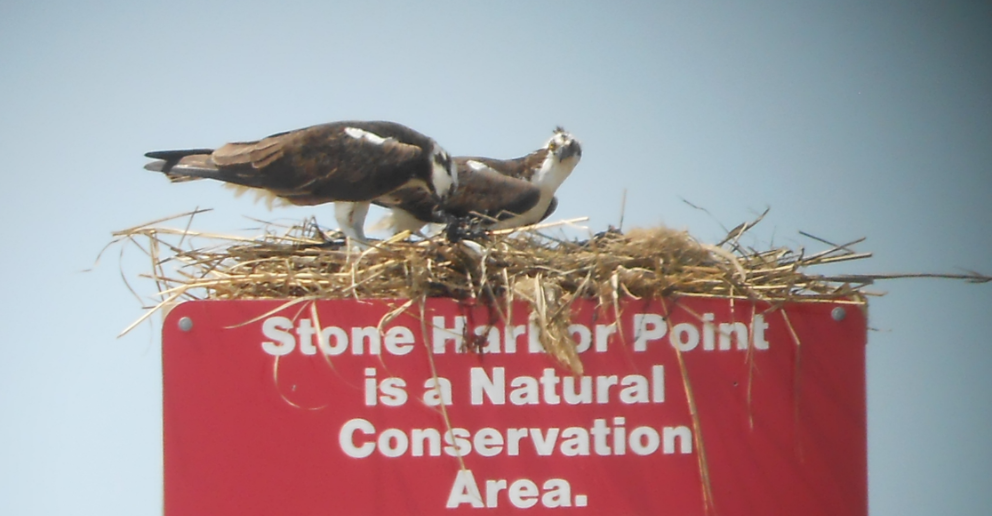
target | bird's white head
[
  {"x": 564, "y": 147},
  {"x": 443, "y": 173},
  {"x": 563, "y": 153}
]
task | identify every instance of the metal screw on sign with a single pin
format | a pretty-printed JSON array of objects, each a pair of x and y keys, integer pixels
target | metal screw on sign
[
  {"x": 186, "y": 324},
  {"x": 837, "y": 313}
]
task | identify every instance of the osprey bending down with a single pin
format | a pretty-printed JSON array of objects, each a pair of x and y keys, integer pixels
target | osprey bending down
[
  {"x": 506, "y": 193},
  {"x": 349, "y": 163}
]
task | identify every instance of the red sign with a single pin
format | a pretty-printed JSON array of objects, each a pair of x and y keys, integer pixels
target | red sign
[{"x": 686, "y": 407}]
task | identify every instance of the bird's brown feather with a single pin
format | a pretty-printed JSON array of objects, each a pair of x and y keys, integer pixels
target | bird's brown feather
[
  {"x": 483, "y": 192},
  {"x": 521, "y": 168}
]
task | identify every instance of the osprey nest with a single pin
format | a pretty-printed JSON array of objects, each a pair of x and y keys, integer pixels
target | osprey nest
[{"x": 301, "y": 263}]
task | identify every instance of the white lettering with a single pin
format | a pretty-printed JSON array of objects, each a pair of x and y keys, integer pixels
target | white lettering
[
  {"x": 457, "y": 442},
  {"x": 658, "y": 383},
  {"x": 513, "y": 436},
  {"x": 488, "y": 442},
  {"x": 648, "y": 327},
  {"x": 305, "y": 331},
  {"x": 393, "y": 393},
  {"x": 464, "y": 490},
  {"x": 582, "y": 337},
  {"x": 600, "y": 432},
  {"x": 619, "y": 436},
  {"x": 644, "y": 440},
  {"x": 492, "y": 338},
  {"x": 393, "y": 442},
  {"x": 418, "y": 436},
  {"x": 576, "y": 441},
  {"x": 442, "y": 334},
  {"x": 684, "y": 436},
  {"x": 603, "y": 384},
  {"x": 276, "y": 328},
  {"x": 525, "y": 391},
  {"x": 437, "y": 392},
  {"x": 493, "y": 487},
  {"x": 360, "y": 335},
  {"x": 600, "y": 438},
  {"x": 585, "y": 392},
  {"x": 737, "y": 329},
  {"x": 512, "y": 334},
  {"x": 557, "y": 493},
  {"x": 544, "y": 444},
  {"x": 371, "y": 387},
  {"x": 708, "y": 332},
  {"x": 282, "y": 336},
  {"x": 523, "y": 494},
  {"x": 346, "y": 438},
  {"x": 399, "y": 340},
  {"x": 759, "y": 327},
  {"x": 635, "y": 389},
  {"x": 534, "y": 336},
  {"x": 494, "y": 389},
  {"x": 550, "y": 382},
  {"x": 684, "y": 337},
  {"x": 340, "y": 340},
  {"x": 603, "y": 332}
]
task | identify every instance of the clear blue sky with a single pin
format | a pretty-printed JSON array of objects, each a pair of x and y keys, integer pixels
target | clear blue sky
[{"x": 852, "y": 119}]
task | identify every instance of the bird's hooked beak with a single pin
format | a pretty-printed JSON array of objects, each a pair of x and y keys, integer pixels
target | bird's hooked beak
[{"x": 572, "y": 149}]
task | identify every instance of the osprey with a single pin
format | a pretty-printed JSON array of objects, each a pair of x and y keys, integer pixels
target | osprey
[
  {"x": 505, "y": 193},
  {"x": 348, "y": 163}
]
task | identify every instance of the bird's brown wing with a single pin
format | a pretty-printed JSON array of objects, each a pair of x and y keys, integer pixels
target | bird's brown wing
[
  {"x": 552, "y": 206},
  {"x": 482, "y": 191},
  {"x": 487, "y": 192},
  {"x": 522, "y": 168},
  {"x": 419, "y": 202},
  {"x": 319, "y": 164},
  {"x": 258, "y": 154},
  {"x": 329, "y": 140}
]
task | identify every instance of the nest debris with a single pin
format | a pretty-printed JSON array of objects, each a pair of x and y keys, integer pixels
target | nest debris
[{"x": 301, "y": 262}]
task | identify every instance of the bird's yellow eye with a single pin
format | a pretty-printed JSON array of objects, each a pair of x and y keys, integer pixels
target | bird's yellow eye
[{"x": 552, "y": 145}]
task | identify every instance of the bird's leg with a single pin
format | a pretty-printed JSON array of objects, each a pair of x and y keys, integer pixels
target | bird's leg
[
  {"x": 351, "y": 219},
  {"x": 326, "y": 241}
]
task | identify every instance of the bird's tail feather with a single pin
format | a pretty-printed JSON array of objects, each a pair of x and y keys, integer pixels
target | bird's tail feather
[
  {"x": 183, "y": 165},
  {"x": 176, "y": 155},
  {"x": 386, "y": 223}
]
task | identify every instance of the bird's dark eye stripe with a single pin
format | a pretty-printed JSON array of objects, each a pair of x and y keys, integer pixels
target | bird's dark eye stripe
[{"x": 442, "y": 159}]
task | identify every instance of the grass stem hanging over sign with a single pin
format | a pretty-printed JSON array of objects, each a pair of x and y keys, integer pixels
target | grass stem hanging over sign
[{"x": 299, "y": 263}]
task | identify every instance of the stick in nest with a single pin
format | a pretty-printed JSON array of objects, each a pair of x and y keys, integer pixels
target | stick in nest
[{"x": 526, "y": 264}]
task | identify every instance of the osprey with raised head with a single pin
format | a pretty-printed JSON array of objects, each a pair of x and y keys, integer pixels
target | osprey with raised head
[
  {"x": 505, "y": 193},
  {"x": 348, "y": 163}
]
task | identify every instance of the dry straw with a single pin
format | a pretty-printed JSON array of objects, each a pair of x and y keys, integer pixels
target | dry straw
[{"x": 299, "y": 263}]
